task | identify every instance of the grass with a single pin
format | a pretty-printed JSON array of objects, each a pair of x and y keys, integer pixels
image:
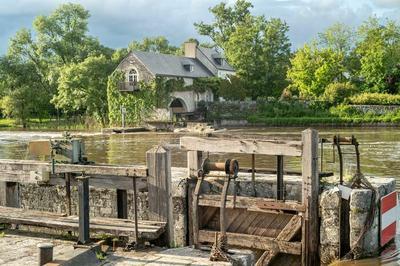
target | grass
[{"x": 48, "y": 124}]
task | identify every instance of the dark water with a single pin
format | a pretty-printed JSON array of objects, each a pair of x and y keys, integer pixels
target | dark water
[{"x": 380, "y": 155}]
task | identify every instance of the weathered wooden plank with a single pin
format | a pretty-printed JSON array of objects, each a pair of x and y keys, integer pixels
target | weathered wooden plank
[
  {"x": 194, "y": 161},
  {"x": 92, "y": 169},
  {"x": 251, "y": 202},
  {"x": 267, "y": 257},
  {"x": 253, "y": 241},
  {"x": 159, "y": 183},
  {"x": 20, "y": 171},
  {"x": 287, "y": 234},
  {"x": 121, "y": 227},
  {"x": 291, "y": 229},
  {"x": 268, "y": 147},
  {"x": 310, "y": 228}
]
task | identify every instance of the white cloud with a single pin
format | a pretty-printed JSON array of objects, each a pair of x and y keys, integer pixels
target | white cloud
[
  {"x": 387, "y": 3},
  {"x": 117, "y": 22}
]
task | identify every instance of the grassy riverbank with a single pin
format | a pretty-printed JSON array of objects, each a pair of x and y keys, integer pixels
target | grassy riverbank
[{"x": 48, "y": 124}]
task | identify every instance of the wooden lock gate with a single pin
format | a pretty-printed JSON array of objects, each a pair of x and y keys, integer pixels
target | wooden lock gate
[{"x": 271, "y": 225}]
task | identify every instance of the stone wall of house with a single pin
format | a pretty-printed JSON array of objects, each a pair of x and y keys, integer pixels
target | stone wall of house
[{"x": 131, "y": 61}]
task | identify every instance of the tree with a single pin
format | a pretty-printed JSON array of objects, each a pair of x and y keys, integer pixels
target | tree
[
  {"x": 259, "y": 49},
  {"x": 59, "y": 41},
  {"x": 379, "y": 51},
  {"x": 83, "y": 87},
  {"x": 22, "y": 96},
  {"x": 155, "y": 44},
  {"x": 313, "y": 69},
  {"x": 339, "y": 37}
]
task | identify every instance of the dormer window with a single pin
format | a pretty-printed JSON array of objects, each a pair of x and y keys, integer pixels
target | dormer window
[
  {"x": 218, "y": 59},
  {"x": 133, "y": 77},
  {"x": 188, "y": 65}
]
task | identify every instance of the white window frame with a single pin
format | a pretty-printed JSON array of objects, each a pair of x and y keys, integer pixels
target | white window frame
[{"x": 133, "y": 77}]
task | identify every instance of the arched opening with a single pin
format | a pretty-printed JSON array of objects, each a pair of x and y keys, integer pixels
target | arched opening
[{"x": 178, "y": 106}]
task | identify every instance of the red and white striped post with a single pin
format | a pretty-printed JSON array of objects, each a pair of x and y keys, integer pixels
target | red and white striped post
[{"x": 390, "y": 214}]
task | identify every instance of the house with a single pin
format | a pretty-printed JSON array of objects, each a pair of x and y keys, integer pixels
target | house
[{"x": 197, "y": 62}]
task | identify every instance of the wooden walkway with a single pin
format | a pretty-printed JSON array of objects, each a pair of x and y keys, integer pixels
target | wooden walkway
[{"x": 149, "y": 230}]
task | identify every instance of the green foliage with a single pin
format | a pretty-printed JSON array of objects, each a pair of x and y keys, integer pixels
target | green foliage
[
  {"x": 233, "y": 89},
  {"x": 203, "y": 84},
  {"x": 82, "y": 87},
  {"x": 313, "y": 69},
  {"x": 158, "y": 44},
  {"x": 23, "y": 96},
  {"x": 379, "y": 53},
  {"x": 375, "y": 99},
  {"x": 138, "y": 104},
  {"x": 336, "y": 93},
  {"x": 259, "y": 49},
  {"x": 338, "y": 37},
  {"x": 100, "y": 255}
]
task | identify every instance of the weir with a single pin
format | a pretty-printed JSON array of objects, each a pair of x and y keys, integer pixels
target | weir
[{"x": 285, "y": 215}]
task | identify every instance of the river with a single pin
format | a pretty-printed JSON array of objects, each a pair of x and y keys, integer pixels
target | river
[{"x": 379, "y": 147}]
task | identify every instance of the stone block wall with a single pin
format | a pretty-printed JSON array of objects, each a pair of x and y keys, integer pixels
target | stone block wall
[{"x": 360, "y": 202}]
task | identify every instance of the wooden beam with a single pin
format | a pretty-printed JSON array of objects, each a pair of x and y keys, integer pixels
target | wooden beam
[
  {"x": 310, "y": 192},
  {"x": 20, "y": 166},
  {"x": 253, "y": 241},
  {"x": 287, "y": 234},
  {"x": 150, "y": 230},
  {"x": 268, "y": 147},
  {"x": 194, "y": 161},
  {"x": 102, "y": 176},
  {"x": 251, "y": 202}
]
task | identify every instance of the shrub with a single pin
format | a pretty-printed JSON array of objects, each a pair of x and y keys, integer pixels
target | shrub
[
  {"x": 375, "y": 99},
  {"x": 336, "y": 93}
]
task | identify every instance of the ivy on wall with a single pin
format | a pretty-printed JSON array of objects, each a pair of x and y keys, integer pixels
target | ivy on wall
[{"x": 138, "y": 104}]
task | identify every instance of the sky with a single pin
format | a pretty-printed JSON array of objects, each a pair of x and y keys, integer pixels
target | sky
[{"x": 117, "y": 22}]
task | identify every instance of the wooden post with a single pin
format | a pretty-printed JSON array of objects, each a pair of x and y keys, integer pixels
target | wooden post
[
  {"x": 159, "y": 185},
  {"x": 122, "y": 204},
  {"x": 194, "y": 161},
  {"x": 9, "y": 194},
  {"x": 310, "y": 192}
]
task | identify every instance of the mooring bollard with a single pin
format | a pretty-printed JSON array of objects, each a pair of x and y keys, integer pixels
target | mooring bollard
[
  {"x": 83, "y": 191},
  {"x": 45, "y": 253}
]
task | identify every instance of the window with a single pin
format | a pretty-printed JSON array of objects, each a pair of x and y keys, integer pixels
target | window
[{"x": 133, "y": 76}]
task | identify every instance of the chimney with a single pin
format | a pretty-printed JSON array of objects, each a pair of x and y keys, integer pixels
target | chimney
[{"x": 191, "y": 49}]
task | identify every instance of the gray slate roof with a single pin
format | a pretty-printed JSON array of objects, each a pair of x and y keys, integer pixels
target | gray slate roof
[
  {"x": 211, "y": 53},
  {"x": 171, "y": 65}
]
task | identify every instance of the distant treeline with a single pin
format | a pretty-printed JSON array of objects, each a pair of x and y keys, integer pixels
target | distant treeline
[{"x": 56, "y": 69}]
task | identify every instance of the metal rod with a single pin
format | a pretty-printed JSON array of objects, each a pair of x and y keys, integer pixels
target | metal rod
[
  {"x": 356, "y": 144},
  {"x": 135, "y": 212},
  {"x": 337, "y": 143},
  {"x": 279, "y": 178},
  {"x": 253, "y": 174},
  {"x": 83, "y": 191},
  {"x": 222, "y": 210},
  {"x": 322, "y": 155}
]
